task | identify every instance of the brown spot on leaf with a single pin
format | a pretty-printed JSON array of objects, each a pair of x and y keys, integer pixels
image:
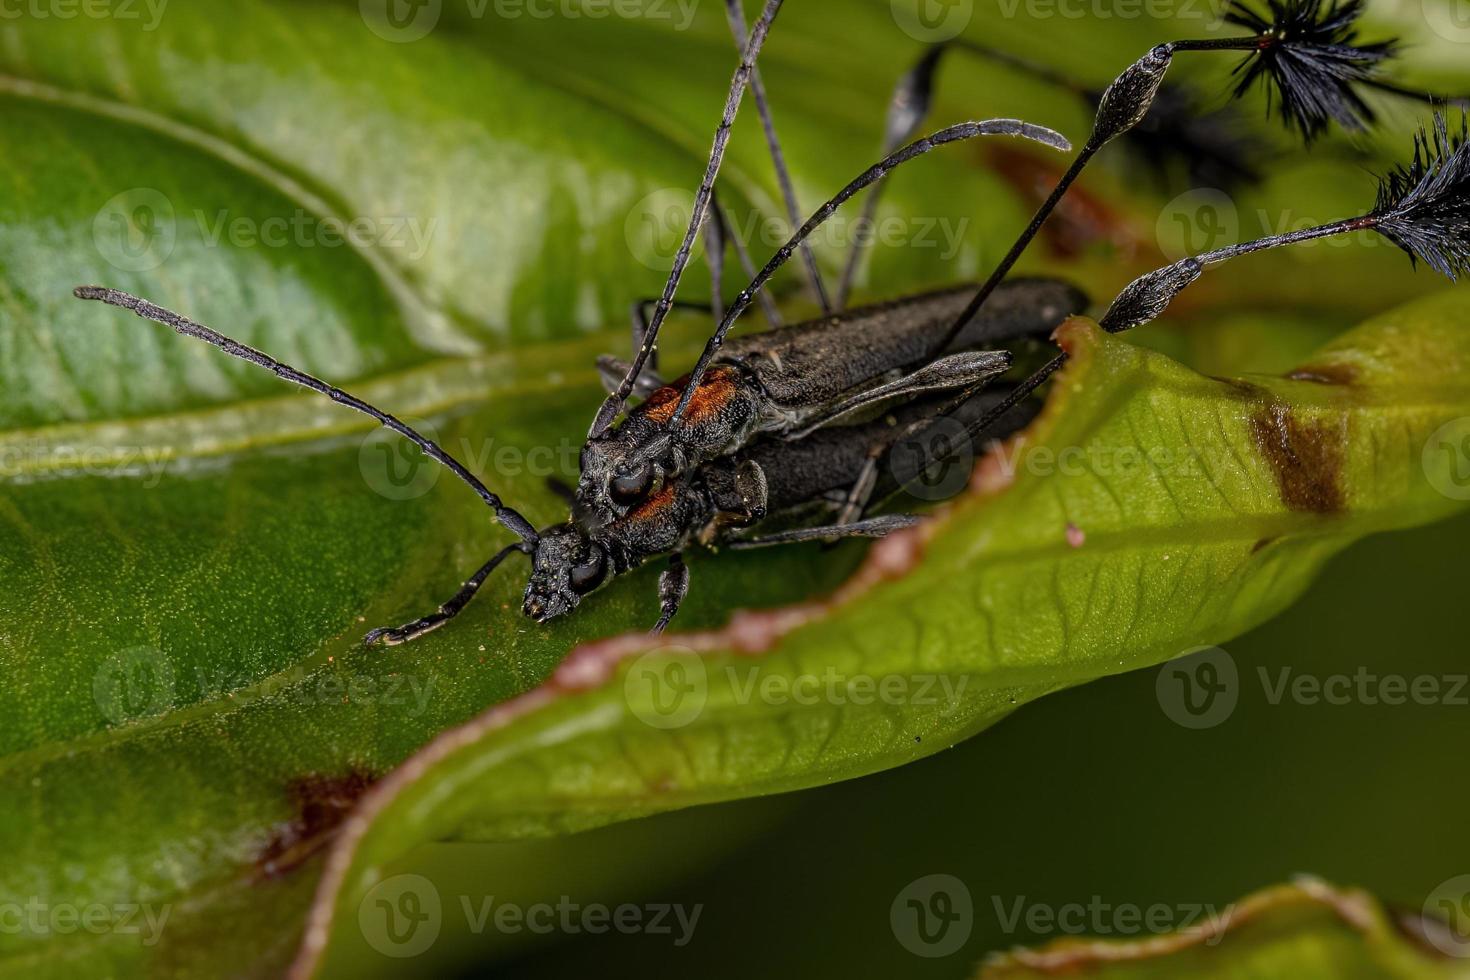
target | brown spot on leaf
[
  {"x": 1305, "y": 457},
  {"x": 1264, "y": 543},
  {"x": 320, "y": 803}
]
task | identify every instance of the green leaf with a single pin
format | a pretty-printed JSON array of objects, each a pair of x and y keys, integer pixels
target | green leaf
[
  {"x": 1307, "y": 928},
  {"x": 189, "y": 554},
  {"x": 1148, "y": 510}
]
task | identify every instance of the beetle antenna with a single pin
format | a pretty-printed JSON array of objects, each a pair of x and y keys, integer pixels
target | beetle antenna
[
  {"x": 875, "y": 173},
  {"x": 613, "y": 405},
  {"x": 736, "y": 16},
  {"x": 1423, "y": 207},
  {"x": 1306, "y": 52},
  {"x": 148, "y": 311},
  {"x": 907, "y": 108}
]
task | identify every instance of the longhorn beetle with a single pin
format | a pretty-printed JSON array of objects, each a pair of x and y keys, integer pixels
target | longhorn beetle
[{"x": 1422, "y": 208}]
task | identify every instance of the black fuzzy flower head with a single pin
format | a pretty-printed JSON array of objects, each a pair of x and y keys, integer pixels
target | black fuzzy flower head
[
  {"x": 1311, "y": 60},
  {"x": 1424, "y": 207}
]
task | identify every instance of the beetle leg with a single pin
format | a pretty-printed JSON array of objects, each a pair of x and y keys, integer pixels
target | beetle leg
[
  {"x": 872, "y": 527},
  {"x": 451, "y": 608},
  {"x": 673, "y": 586},
  {"x": 860, "y": 493}
]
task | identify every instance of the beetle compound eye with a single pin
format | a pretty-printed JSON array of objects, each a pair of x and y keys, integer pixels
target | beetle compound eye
[
  {"x": 589, "y": 575},
  {"x": 633, "y": 487}
]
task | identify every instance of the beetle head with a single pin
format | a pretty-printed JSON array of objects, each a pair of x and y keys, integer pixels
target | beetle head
[{"x": 565, "y": 565}]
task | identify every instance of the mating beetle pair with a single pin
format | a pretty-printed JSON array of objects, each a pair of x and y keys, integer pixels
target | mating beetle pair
[{"x": 692, "y": 463}]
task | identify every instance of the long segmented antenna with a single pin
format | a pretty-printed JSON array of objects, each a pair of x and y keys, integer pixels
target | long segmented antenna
[
  {"x": 951, "y": 134},
  {"x": 1423, "y": 207},
  {"x": 1209, "y": 142},
  {"x": 1307, "y": 52},
  {"x": 115, "y": 297},
  {"x": 736, "y": 16},
  {"x": 613, "y": 405},
  {"x": 907, "y": 108}
]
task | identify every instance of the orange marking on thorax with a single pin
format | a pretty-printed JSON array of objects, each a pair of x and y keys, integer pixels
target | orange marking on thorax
[
  {"x": 654, "y": 505},
  {"x": 713, "y": 394}
]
